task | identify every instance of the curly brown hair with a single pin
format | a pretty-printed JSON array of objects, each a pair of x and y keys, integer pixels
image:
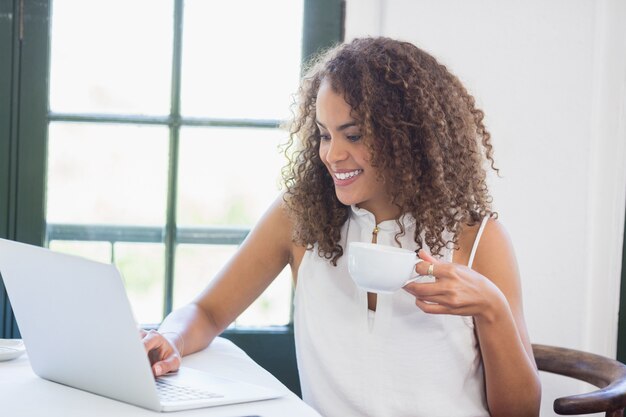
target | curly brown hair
[{"x": 426, "y": 137}]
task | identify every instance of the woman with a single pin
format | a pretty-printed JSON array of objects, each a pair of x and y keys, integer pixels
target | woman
[{"x": 390, "y": 149}]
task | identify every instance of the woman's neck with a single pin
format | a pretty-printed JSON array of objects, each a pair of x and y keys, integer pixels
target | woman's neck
[{"x": 382, "y": 213}]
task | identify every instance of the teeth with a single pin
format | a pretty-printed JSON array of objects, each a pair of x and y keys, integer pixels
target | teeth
[{"x": 347, "y": 175}]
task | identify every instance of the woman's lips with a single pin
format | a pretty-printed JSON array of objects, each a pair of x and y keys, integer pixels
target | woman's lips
[{"x": 345, "y": 177}]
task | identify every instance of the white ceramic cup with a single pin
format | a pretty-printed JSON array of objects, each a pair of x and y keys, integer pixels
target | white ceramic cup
[{"x": 380, "y": 268}]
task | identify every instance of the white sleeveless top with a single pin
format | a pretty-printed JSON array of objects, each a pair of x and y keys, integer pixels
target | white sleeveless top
[{"x": 397, "y": 362}]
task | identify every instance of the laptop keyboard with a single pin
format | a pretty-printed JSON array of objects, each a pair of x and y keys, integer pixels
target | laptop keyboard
[{"x": 170, "y": 392}]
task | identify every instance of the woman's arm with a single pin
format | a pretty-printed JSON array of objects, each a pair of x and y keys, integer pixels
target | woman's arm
[
  {"x": 491, "y": 293},
  {"x": 261, "y": 257},
  {"x": 512, "y": 380}
]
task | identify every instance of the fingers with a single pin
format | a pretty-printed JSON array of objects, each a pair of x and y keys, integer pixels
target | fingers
[
  {"x": 431, "y": 308},
  {"x": 169, "y": 364},
  {"x": 434, "y": 293},
  {"x": 153, "y": 340},
  {"x": 163, "y": 357},
  {"x": 428, "y": 266},
  {"x": 425, "y": 268},
  {"x": 424, "y": 289},
  {"x": 438, "y": 269},
  {"x": 427, "y": 257},
  {"x": 439, "y": 297}
]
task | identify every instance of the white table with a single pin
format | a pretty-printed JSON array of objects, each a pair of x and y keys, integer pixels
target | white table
[{"x": 22, "y": 393}]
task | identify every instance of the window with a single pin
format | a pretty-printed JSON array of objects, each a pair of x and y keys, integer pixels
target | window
[
  {"x": 162, "y": 92},
  {"x": 162, "y": 149}
]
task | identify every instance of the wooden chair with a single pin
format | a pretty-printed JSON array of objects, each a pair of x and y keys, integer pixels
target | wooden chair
[{"x": 607, "y": 374}]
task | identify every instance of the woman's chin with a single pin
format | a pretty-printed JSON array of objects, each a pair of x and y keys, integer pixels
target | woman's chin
[{"x": 346, "y": 200}]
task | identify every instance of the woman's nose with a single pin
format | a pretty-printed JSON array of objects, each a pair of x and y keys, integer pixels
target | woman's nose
[{"x": 336, "y": 151}]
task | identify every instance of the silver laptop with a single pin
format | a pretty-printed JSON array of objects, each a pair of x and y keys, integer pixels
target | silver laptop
[{"x": 79, "y": 330}]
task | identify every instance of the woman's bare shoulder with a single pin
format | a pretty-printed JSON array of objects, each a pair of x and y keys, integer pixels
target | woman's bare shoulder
[
  {"x": 278, "y": 225},
  {"x": 466, "y": 239},
  {"x": 494, "y": 236},
  {"x": 494, "y": 257}
]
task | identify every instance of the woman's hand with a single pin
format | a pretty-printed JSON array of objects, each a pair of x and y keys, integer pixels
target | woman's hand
[
  {"x": 163, "y": 352},
  {"x": 457, "y": 290}
]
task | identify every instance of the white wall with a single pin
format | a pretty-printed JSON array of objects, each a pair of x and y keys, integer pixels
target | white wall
[{"x": 551, "y": 78}]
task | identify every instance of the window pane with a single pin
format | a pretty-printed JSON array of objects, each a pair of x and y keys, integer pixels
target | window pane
[
  {"x": 96, "y": 251},
  {"x": 241, "y": 58},
  {"x": 273, "y": 306},
  {"x": 111, "y": 56},
  {"x": 196, "y": 265},
  {"x": 107, "y": 174},
  {"x": 227, "y": 176},
  {"x": 142, "y": 266}
]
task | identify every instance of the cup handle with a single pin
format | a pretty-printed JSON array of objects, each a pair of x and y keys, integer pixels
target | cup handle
[{"x": 415, "y": 276}]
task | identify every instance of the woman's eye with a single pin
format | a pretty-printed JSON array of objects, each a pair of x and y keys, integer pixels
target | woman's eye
[
  {"x": 324, "y": 137},
  {"x": 353, "y": 138}
]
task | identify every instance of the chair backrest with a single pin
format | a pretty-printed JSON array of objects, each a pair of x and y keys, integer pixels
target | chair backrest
[{"x": 607, "y": 374}]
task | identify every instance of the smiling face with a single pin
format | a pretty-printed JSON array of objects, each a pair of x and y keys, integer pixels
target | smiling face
[{"x": 347, "y": 157}]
